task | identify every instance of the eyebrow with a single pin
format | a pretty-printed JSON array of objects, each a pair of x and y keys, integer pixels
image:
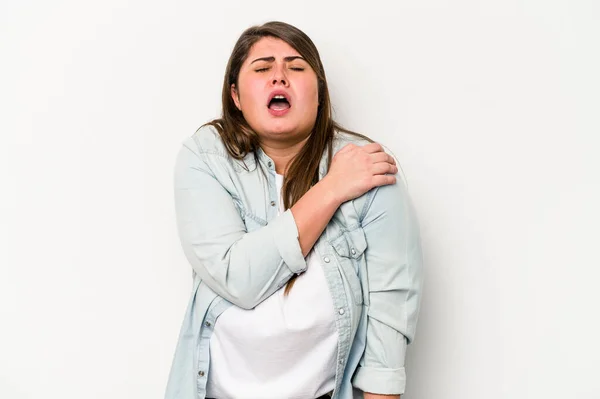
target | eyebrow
[{"x": 272, "y": 59}]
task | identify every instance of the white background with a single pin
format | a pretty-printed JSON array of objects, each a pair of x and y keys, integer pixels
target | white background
[{"x": 491, "y": 107}]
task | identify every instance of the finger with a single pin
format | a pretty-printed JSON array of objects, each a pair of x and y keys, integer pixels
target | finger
[
  {"x": 382, "y": 157},
  {"x": 347, "y": 147},
  {"x": 382, "y": 180},
  {"x": 381, "y": 168},
  {"x": 372, "y": 147},
  {"x": 392, "y": 160}
]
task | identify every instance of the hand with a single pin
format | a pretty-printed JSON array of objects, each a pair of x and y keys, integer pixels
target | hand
[{"x": 357, "y": 169}]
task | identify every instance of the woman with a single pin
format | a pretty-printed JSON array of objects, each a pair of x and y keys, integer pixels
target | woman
[{"x": 305, "y": 251}]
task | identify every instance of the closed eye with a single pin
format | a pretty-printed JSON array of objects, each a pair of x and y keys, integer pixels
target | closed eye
[{"x": 267, "y": 68}]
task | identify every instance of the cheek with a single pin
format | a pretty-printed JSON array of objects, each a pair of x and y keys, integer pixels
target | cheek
[
  {"x": 250, "y": 93},
  {"x": 255, "y": 93},
  {"x": 311, "y": 93},
  {"x": 315, "y": 90}
]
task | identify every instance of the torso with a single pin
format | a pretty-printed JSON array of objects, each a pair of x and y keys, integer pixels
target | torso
[{"x": 284, "y": 347}]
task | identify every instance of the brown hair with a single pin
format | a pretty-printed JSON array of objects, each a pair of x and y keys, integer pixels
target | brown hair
[{"x": 240, "y": 139}]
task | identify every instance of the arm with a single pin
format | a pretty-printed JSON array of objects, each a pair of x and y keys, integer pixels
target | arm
[
  {"x": 244, "y": 268},
  {"x": 377, "y": 396},
  {"x": 354, "y": 171},
  {"x": 313, "y": 212},
  {"x": 394, "y": 267}
]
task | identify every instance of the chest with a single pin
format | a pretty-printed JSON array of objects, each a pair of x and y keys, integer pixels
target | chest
[{"x": 340, "y": 248}]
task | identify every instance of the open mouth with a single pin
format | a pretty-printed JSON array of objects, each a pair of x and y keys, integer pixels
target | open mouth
[{"x": 279, "y": 103}]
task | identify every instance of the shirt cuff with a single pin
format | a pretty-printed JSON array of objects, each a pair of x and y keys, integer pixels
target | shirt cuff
[
  {"x": 285, "y": 235},
  {"x": 382, "y": 381}
]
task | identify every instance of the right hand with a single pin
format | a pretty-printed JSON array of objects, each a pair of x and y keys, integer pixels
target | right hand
[{"x": 357, "y": 169}]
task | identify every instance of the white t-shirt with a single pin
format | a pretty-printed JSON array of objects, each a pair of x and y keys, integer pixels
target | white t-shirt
[{"x": 283, "y": 348}]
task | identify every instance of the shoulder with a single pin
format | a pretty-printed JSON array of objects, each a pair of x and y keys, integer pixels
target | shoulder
[
  {"x": 378, "y": 199},
  {"x": 206, "y": 140},
  {"x": 341, "y": 139},
  {"x": 205, "y": 149}
]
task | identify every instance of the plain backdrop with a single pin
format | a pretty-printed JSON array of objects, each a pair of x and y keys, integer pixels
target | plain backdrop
[{"x": 492, "y": 108}]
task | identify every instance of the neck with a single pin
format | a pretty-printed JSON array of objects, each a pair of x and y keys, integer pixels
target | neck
[{"x": 282, "y": 153}]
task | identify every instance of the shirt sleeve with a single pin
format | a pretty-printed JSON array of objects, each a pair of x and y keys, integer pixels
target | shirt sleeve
[
  {"x": 394, "y": 266},
  {"x": 244, "y": 268}
]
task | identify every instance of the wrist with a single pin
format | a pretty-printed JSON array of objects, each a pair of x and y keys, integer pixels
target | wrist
[{"x": 328, "y": 193}]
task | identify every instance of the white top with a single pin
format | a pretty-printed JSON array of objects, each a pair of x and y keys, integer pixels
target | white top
[{"x": 283, "y": 348}]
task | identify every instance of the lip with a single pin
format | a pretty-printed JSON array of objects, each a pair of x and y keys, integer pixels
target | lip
[
  {"x": 279, "y": 93},
  {"x": 280, "y": 112}
]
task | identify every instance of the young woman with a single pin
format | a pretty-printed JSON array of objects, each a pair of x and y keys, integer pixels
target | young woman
[{"x": 306, "y": 256}]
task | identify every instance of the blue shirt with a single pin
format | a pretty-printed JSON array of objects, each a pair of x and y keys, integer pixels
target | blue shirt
[{"x": 241, "y": 251}]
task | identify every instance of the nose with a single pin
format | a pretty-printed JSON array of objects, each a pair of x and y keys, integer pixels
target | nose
[{"x": 279, "y": 76}]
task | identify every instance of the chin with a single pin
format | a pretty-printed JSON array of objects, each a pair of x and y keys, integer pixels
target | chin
[{"x": 280, "y": 128}]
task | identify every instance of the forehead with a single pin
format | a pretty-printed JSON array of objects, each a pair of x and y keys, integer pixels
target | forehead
[{"x": 271, "y": 47}]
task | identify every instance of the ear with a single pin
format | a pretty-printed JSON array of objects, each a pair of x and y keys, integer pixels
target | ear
[{"x": 235, "y": 96}]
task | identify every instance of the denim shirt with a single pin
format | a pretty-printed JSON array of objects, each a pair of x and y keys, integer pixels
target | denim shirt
[{"x": 241, "y": 251}]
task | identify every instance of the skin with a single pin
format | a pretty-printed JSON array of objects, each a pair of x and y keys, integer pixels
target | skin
[
  {"x": 266, "y": 69},
  {"x": 272, "y": 64}
]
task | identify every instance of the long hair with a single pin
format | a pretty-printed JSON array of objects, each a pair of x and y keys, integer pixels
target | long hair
[{"x": 240, "y": 139}]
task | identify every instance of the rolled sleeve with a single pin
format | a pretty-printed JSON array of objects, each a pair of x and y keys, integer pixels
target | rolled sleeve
[
  {"x": 380, "y": 380},
  {"x": 383, "y": 369},
  {"x": 286, "y": 234}
]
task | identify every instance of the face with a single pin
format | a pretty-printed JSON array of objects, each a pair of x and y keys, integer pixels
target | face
[{"x": 277, "y": 92}]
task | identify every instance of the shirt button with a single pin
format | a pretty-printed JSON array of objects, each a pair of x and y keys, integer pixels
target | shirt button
[
  {"x": 207, "y": 324},
  {"x": 272, "y": 203},
  {"x": 270, "y": 164},
  {"x": 353, "y": 251},
  {"x": 341, "y": 361},
  {"x": 341, "y": 311},
  {"x": 201, "y": 373},
  {"x": 326, "y": 259}
]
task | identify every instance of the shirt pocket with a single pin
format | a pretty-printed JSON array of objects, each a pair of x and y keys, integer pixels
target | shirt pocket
[{"x": 350, "y": 247}]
